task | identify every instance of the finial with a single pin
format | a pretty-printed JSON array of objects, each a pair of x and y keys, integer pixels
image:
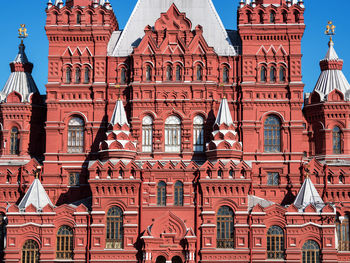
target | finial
[
  {"x": 330, "y": 31},
  {"x": 37, "y": 172},
  {"x": 22, "y": 32}
]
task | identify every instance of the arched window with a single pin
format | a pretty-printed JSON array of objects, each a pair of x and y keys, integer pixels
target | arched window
[
  {"x": 272, "y": 17},
  {"x": 123, "y": 76},
  {"x": 161, "y": 259},
  {"x": 225, "y": 77},
  {"x": 284, "y": 16},
  {"x": 172, "y": 134},
  {"x": 297, "y": 16},
  {"x": 114, "y": 233},
  {"x": 148, "y": 73},
  {"x": 169, "y": 73},
  {"x": 147, "y": 134},
  {"x": 249, "y": 17},
  {"x": 161, "y": 194},
  {"x": 199, "y": 73},
  {"x": 275, "y": 243},
  {"x": 220, "y": 173},
  {"x": 90, "y": 17},
  {"x": 30, "y": 252},
  {"x": 343, "y": 233},
  {"x": 341, "y": 179},
  {"x": 198, "y": 134},
  {"x": 77, "y": 75},
  {"x": 263, "y": 74},
  {"x": 272, "y": 134},
  {"x": 179, "y": 194},
  {"x": 337, "y": 140},
  {"x": 282, "y": 75},
  {"x": 14, "y": 141},
  {"x": 261, "y": 17},
  {"x": 225, "y": 231},
  {"x": 64, "y": 243},
  {"x": 78, "y": 18},
  {"x": 178, "y": 73},
  {"x": 87, "y": 75},
  {"x": 76, "y": 135},
  {"x": 273, "y": 74},
  {"x": 68, "y": 75},
  {"x": 311, "y": 252}
]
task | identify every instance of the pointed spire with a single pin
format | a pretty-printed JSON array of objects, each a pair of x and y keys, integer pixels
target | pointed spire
[
  {"x": 331, "y": 54},
  {"x": 21, "y": 56},
  {"x": 59, "y": 3},
  {"x": 119, "y": 115},
  {"x": 308, "y": 195},
  {"x": 36, "y": 195},
  {"x": 224, "y": 114}
]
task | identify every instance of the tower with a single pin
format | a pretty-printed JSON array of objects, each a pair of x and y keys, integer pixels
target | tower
[{"x": 78, "y": 35}]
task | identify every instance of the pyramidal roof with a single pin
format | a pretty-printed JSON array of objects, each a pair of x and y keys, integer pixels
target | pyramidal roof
[
  {"x": 332, "y": 76},
  {"x": 36, "y": 195},
  {"x": 146, "y": 12},
  {"x": 308, "y": 195},
  {"x": 224, "y": 114},
  {"x": 20, "y": 79},
  {"x": 119, "y": 115}
]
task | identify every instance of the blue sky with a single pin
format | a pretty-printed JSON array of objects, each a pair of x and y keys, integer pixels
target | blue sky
[{"x": 32, "y": 13}]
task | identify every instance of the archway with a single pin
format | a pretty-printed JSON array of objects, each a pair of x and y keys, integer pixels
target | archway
[
  {"x": 176, "y": 259},
  {"x": 161, "y": 259}
]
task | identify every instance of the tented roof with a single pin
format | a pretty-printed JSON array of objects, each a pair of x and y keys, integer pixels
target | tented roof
[
  {"x": 146, "y": 12},
  {"x": 119, "y": 115},
  {"x": 224, "y": 114},
  {"x": 308, "y": 195}
]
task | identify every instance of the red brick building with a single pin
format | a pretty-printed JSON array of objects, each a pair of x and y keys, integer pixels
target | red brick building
[{"x": 175, "y": 140}]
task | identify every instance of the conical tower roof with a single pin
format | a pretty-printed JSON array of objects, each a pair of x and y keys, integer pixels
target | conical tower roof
[
  {"x": 20, "y": 80},
  {"x": 224, "y": 114},
  {"x": 308, "y": 195},
  {"x": 119, "y": 115},
  {"x": 332, "y": 76},
  {"x": 36, "y": 195}
]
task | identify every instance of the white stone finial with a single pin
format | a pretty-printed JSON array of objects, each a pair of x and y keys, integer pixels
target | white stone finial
[
  {"x": 224, "y": 114},
  {"x": 119, "y": 115}
]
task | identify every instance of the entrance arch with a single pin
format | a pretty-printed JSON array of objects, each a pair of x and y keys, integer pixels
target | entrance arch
[
  {"x": 161, "y": 259},
  {"x": 176, "y": 259}
]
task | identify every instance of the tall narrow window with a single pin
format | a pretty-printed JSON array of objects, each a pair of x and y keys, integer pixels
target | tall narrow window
[
  {"x": 30, "y": 252},
  {"x": 77, "y": 75},
  {"x": 114, "y": 232},
  {"x": 297, "y": 17},
  {"x": 64, "y": 243},
  {"x": 225, "y": 231},
  {"x": 249, "y": 17},
  {"x": 68, "y": 75},
  {"x": 74, "y": 179},
  {"x": 198, "y": 134},
  {"x": 311, "y": 252},
  {"x": 343, "y": 233},
  {"x": 78, "y": 18},
  {"x": 147, "y": 134},
  {"x": 273, "y": 74},
  {"x": 172, "y": 134},
  {"x": 169, "y": 73},
  {"x": 123, "y": 76},
  {"x": 337, "y": 140},
  {"x": 148, "y": 73},
  {"x": 87, "y": 75},
  {"x": 179, "y": 194},
  {"x": 14, "y": 144},
  {"x": 282, "y": 74},
  {"x": 76, "y": 135},
  {"x": 263, "y": 74},
  {"x": 199, "y": 73},
  {"x": 225, "y": 75},
  {"x": 273, "y": 178},
  {"x": 161, "y": 194},
  {"x": 272, "y": 134},
  {"x": 178, "y": 73},
  {"x": 272, "y": 17},
  {"x": 275, "y": 243},
  {"x": 261, "y": 17},
  {"x": 285, "y": 16}
]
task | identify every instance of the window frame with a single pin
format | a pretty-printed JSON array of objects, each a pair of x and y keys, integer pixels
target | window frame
[
  {"x": 224, "y": 220},
  {"x": 68, "y": 75},
  {"x": 273, "y": 73},
  {"x": 74, "y": 179},
  {"x": 30, "y": 252},
  {"x": 87, "y": 73},
  {"x": 337, "y": 140},
  {"x": 275, "y": 243},
  {"x": 76, "y": 136},
  {"x": 65, "y": 243},
  {"x": 263, "y": 74},
  {"x": 114, "y": 221},
  {"x": 161, "y": 194},
  {"x": 147, "y": 134},
  {"x": 178, "y": 73},
  {"x": 172, "y": 134},
  {"x": 343, "y": 233},
  {"x": 311, "y": 255},
  {"x": 169, "y": 73},
  {"x": 273, "y": 178},
  {"x": 272, "y": 134},
  {"x": 15, "y": 141},
  {"x": 178, "y": 193},
  {"x": 77, "y": 75},
  {"x": 148, "y": 73},
  {"x": 199, "y": 73},
  {"x": 198, "y": 134}
]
